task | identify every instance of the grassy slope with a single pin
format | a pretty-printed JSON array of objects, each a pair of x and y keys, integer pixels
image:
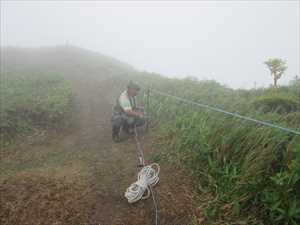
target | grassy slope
[
  {"x": 248, "y": 167},
  {"x": 241, "y": 163},
  {"x": 67, "y": 178},
  {"x": 36, "y": 84}
]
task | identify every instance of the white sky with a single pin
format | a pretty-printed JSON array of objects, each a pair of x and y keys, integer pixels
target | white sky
[{"x": 225, "y": 41}]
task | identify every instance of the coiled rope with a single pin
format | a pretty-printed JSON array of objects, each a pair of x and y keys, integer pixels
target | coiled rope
[{"x": 147, "y": 177}]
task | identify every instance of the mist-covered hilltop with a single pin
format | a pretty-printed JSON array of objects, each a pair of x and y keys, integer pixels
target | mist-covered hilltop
[{"x": 66, "y": 60}]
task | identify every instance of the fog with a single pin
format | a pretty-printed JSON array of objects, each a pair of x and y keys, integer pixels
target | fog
[{"x": 225, "y": 41}]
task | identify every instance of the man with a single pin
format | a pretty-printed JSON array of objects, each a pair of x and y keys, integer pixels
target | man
[{"x": 126, "y": 114}]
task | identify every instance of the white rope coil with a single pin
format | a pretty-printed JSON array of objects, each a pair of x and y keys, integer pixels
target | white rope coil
[{"x": 148, "y": 176}]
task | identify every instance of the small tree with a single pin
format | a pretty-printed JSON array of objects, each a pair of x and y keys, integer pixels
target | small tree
[{"x": 277, "y": 67}]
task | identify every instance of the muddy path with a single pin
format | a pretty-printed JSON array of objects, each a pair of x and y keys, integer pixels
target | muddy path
[{"x": 79, "y": 176}]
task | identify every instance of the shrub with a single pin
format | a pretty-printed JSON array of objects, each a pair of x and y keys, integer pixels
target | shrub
[{"x": 281, "y": 103}]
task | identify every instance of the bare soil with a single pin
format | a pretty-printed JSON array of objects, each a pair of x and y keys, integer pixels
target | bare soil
[{"x": 79, "y": 175}]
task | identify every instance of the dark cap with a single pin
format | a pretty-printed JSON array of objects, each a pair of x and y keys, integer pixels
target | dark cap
[{"x": 133, "y": 85}]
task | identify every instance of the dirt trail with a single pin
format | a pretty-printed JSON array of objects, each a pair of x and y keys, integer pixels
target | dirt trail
[{"x": 79, "y": 176}]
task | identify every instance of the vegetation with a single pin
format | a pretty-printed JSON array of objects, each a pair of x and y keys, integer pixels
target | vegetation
[
  {"x": 277, "y": 67},
  {"x": 36, "y": 84},
  {"x": 32, "y": 100},
  {"x": 280, "y": 102},
  {"x": 253, "y": 171}
]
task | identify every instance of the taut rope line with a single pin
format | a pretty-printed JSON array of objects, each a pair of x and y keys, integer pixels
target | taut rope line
[{"x": 228, "y": 113}]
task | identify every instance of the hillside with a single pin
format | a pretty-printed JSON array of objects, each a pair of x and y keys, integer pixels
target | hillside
[
  {"x": 216, "y": 169},
  {"x": 66, "y": 60},
  {"x": 74, "y": 174}
]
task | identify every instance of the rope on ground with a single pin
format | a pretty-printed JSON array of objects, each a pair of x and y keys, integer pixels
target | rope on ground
[
  {"x": 148, "y": 177},
  {"x": 227, "y": 113}
]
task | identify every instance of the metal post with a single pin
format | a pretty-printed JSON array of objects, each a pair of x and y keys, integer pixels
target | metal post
[{"x": 148, "y": 108}]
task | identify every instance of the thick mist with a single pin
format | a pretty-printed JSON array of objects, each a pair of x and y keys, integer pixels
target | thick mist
[{"x": 225, "y": 41}]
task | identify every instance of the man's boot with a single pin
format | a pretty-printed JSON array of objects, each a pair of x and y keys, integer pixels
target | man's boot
[{"x": 116, "y": 134}]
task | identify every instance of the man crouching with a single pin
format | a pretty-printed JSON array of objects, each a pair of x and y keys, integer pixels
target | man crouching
[{"x": 126, "y": 114}]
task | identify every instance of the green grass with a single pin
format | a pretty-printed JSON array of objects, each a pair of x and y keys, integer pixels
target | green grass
[
  {"x": 29, "y": 100},
  {"x": 280, "y": 102},
  {"x": 253, "y": 170}
]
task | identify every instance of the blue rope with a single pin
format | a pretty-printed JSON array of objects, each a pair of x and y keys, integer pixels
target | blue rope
[{"x": 226, "y": 112}]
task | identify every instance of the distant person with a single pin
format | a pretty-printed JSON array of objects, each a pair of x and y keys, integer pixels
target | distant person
[{"x": 126, "y": 114}]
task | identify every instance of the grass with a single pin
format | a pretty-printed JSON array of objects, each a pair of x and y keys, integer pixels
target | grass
[
  {"x": 250, "y": 172},
  {"x": 250, "y": 169},
  {"x": 32, "y": 100}
]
